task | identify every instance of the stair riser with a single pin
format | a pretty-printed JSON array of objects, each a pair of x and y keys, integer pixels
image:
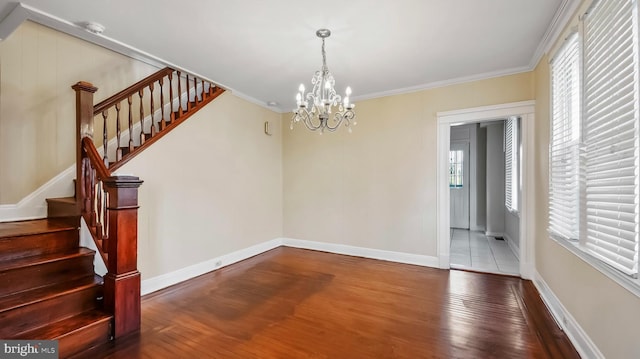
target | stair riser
[
  {"x": 35, "y": 276},
  {"x": 38, "y": 314},
  {"x": 37, "y": 244},
  {"x": 86, "y": 338},
  {"x": 57, "y": 209}
]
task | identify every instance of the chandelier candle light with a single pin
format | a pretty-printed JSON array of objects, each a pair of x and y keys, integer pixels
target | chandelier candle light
[{"x": 323, "y": 98}]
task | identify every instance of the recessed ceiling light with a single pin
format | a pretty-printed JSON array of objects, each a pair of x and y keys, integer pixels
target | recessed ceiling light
[
  {"x": 272, "y": 103},
  {"x": 94, "y": 27}
]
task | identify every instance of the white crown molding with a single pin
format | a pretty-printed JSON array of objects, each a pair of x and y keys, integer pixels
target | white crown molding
[
  {"x": 23, "y": 12},
  {"x": 562, "y": 16},
  {"x": 560, "y": 20},
  {"x": 581, "y": 341},
  {"x": 437, "y": 84},
  {"x": 255, "y": 101}
]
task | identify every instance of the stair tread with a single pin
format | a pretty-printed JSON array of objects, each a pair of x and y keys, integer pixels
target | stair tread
[
  {"x": 45, "y": 258},
  {"x": 67, "y": 200},
  {"x": 36, "y": 226},
  {"x": 24, "y": 298},
  {"x": 66, "y": 326}
]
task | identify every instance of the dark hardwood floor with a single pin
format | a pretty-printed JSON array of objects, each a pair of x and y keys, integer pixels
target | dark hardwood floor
[{"x": 293, "y": 303}]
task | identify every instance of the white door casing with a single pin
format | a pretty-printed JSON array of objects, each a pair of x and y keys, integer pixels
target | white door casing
[{"x": 524, "y": 109}]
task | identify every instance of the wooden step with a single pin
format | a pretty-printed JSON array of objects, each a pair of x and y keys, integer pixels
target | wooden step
[
  {"x": 124, "y": 150},
  {"x": 37, "y": 237},
  {"x": 75, "y": 334},
  {"x": 62, "y": 207},
  {"x": 37, "y": 271},
  {"x": 28, "y": 310}
]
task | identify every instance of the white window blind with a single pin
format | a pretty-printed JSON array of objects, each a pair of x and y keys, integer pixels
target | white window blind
[
  {"x": 611, "y": 134},
  {"x": 564, "y": 141},
  {"x": 511, "y": 164}
]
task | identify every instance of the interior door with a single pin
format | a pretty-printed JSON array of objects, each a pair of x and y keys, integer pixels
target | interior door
[{"x": 459, "y": 184}]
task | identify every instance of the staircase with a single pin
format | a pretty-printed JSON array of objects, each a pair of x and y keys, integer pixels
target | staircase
[{"x": 48, "y": 287}]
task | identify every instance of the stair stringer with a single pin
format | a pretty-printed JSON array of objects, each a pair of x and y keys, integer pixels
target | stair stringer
[
  {"x": 86, "y": 240},
  {"x": 34, "y": 205},
  {"x": 112, "y": 145}
]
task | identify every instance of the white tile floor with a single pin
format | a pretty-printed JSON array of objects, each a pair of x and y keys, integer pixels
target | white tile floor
[{"x": 474, "y": 250}]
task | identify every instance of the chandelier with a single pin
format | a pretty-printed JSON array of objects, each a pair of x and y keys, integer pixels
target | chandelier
[{"x": 317, "y": 108}]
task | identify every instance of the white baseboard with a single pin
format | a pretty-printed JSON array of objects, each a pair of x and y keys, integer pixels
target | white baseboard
[
  {"x": 444, "y": 261},
  {"x": 399, "y": 257},
  {"x": 165, "y": 280},
  {"x": 512, "y": 245},
  {"x": 494, "y": 234},
  {"x": 35, "y": 205},
  {"x": 581, "y": 341}
]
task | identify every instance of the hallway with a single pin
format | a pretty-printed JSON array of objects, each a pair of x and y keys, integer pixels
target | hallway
[{"x": 475, "y": 251}]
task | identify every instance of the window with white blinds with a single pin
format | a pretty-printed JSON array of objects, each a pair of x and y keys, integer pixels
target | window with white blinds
[
  {"x": 511, "y": 144},
  {"x": 594, "y": 187},
  {"x": 564, "y": 141},
  {"x": 611, "y": 134}
]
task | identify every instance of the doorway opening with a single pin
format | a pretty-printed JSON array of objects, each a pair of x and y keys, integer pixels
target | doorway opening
[
  {"x": 515, "y": 194},
  {"x": 483, "y": 192}
]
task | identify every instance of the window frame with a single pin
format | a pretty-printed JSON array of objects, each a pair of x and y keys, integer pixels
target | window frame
[
  {"x": 456, "y": 160},
  {"x": 576, "y": 246},
  {"x": 512, "y": 197}
]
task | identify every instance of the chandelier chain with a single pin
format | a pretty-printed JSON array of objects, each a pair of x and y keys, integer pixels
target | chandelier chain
[{"x": 324, "y": 57}]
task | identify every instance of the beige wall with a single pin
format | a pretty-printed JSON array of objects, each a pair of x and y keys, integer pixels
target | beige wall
[
  {"x": 608, "y": 313},
  {"x": 217, "y": 184},
  {"x": 38, "y": 65},
  {"x": 376, "y": 187},
  {"x": 211, "y": 186}
]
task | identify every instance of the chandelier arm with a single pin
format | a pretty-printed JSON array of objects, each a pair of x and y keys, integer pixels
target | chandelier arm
[
  {"x": 309, "y": 123},
  {"x": 305, "y": 117},
  {"x": 337, "y": 119},
  {"x": 342, "y": 117},
  {"x": 348, "y": 116}
]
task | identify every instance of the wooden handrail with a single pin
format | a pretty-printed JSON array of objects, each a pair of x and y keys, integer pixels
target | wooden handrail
[
  {"x": 160, "y": 134},
  {"x": 122, "y": 95},
  {"x": 96, "y": 160},
  {"x": 151, "y": 121},
  {"x": 108, "y": 203}
]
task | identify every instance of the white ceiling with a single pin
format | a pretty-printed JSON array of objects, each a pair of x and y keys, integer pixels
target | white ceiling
[{"x": 262, "y": 50}]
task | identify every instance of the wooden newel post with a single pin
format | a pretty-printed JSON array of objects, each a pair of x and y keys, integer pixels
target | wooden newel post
[
  {"x": 84, "y": 124},
  {"x": 122, "y": 282}
]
